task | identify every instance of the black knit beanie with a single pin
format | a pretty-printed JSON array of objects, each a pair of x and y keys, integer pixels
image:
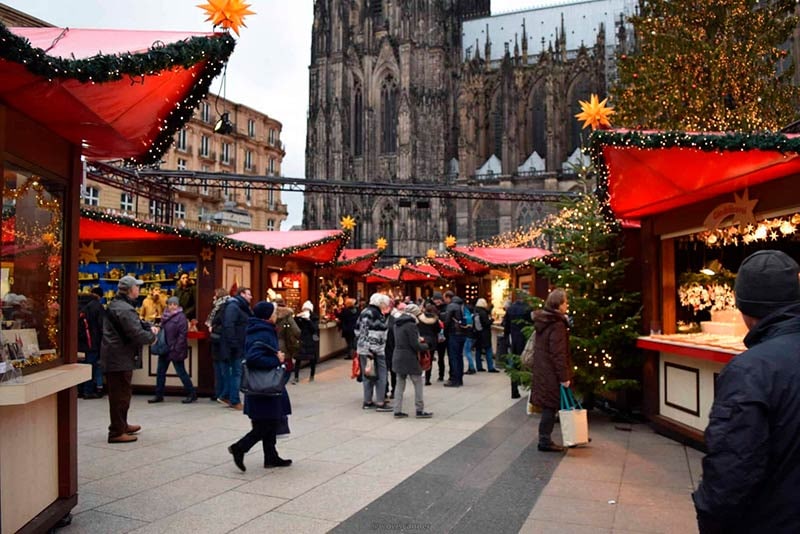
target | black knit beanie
[{"x": 767, "y": 281}]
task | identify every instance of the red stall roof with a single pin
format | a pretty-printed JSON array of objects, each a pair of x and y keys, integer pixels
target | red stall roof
[
  {"x": 318, "y": 246},
  {"x": 357, "y": 260},
  {"x": 381, "y": 276},
  {"x": 648, "y": 172},
  {"x": 419, "y": 273},
  {"x": 478, "y": 260},
  {"x": 447, "y": 267},
  {"x": 116, "y": 93}
]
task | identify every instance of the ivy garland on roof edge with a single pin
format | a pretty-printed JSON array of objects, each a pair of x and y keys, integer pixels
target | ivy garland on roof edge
[
  {"x": 352, "y": 261},
  {"x": 104, "y": 68}
]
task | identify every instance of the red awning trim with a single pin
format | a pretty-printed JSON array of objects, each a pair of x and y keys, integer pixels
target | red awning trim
[
  {"x": 646, "y": 173},
  {"x": 381, "y": 276},
  {"x": 479, "y": 260},
  {"x": 321, "y": 247},
  {"x": 127, "y": 104},
  {"x": 419, "y": 273},
  {"x": 447, "y": 267},
  {"x": 357, "y": 261}
]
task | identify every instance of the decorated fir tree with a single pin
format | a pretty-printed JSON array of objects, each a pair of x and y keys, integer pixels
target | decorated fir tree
[{"x": 716, "y": 65}]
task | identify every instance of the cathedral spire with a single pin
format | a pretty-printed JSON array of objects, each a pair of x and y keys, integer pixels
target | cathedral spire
[
  {"x": 524, "y": 43},
  {"x": 487, "y": 47}
]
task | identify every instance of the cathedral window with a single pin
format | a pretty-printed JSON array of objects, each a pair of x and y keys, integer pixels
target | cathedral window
[
  {"x": 487, "y": 223},
  {"x": 581, "y": 91},
  {"x": 358, "y": 122},
  {"x": 498, "y": 125},
  {"x": 376, "y": 10},
  {"x": 389, "y": 116},
  {"x": 387, "y": 229},
  {"x": 538, "y": 123}
]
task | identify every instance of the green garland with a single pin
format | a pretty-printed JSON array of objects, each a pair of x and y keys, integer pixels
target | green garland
[
  {"x": 489, "y": 265},
  {"x": 104, "y": 68},
  {"x": 374, "y": 255}
]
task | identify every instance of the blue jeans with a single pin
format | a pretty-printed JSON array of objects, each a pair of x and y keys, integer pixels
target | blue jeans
[
  {"x": 221, "y": 379},
  {"x": 180, "y": 370},
  {"x": 479, "y": 348},
  {"x": 96, "y": 382},
  {"x": 379, "y": 383},
  {"x": 455, "y": 355},
  {"x": 468, "y": 353},
  {"x": 234, "y": 380}
]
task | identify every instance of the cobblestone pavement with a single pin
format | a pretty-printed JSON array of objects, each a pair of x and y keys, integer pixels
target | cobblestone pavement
[{"x": 473, "y": 467}]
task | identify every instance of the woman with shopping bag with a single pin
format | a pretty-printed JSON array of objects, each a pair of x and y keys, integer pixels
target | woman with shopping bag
[{"x": 551, "y": 364}]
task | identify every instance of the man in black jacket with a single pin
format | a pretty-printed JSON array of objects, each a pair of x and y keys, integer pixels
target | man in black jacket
[
  {"x": 234, "y": 327},
  {"x": 90, "y": 334},
  {"x": 751, "y": 474}
]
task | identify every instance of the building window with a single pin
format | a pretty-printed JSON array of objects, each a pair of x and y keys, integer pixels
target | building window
[
  {"x": 126, "y": 202},
  {"x": 156, "y": 209},
  {"x": 387, "y": 229},
  {"x": 248, "y": 192},
  {"x": 92, "y": 196},
  {"x": 270, "y": 224},
  {"x": 270, "y": 197},
  {"x": 271, "y": 138},
  {"x": 389, "y": 116},
  {"x": 204, "y": 188},
  {"x": 180, "y": 211},
  {"x": 181, "y": 141},
  {"x": 204, "y": 144},
  {"x": 225, "y": 189},
  {"x": 181, "y": 164},
  {"x": 248, "y": 159},
  {"x": 226, "y": 153},
  {"x": 251, "y": 127},
  {"x": 205, "y": 112},
  {"x": 271, "y": 166},
  {"x": 488, "y": 224},
  {"x": 358, "y": 122}
]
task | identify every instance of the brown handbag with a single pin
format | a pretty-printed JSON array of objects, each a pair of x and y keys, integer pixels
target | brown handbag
[{"x": 425, "y": 360}]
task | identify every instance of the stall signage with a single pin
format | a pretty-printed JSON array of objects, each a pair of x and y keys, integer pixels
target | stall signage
[{"x": 741, "y": 209}]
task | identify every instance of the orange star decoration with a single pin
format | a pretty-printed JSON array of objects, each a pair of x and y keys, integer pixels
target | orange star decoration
[
  {"x": 206, "y": 253},
  {"x": 450, "y": 241},
  {"x": 347, "y": 223},
  {"x": 431, "y": 253},
  {"x": 403, "y": 262},
  {"x": 227, "y": 13},
  {"x": 595, "y": 113},
  {"x": 381, "y": 243},
  {"x": 87, "y": 253}
]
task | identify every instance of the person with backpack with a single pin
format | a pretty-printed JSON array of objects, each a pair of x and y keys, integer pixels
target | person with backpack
[
  {"x": 90, "y": 335},
  {"x": 214, "y": 325},
  {"x": 308, "y": 322},
  {"x": 469, "y": 334},
  {"x": 456, "y": 328},
  {"x": 175, "y": 327}
]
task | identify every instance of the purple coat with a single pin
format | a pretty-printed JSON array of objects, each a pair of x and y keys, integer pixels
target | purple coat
[{"x": 176, "y": 326}]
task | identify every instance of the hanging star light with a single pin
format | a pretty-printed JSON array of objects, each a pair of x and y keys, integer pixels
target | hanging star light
[
  {"x": 381, "y": 243},
  {"x": 450, "y": 241},
  {"x": 595, "y": 113},
  {"x": 403, "y": 262},
  {"x": 347, "y": 223},
  {"x": 206, "y": 253},
  {"x": 431, "y": 253},
  {"x": 229, "y": 14},
  {"x": 87, "y": 253}
]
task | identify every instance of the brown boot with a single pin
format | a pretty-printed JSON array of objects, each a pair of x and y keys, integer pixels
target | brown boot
[
  {"x": 123, "y": 438},
  {"x": 133, "y": 429}
]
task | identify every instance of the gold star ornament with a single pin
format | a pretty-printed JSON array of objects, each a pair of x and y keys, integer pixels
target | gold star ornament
[
  {"x": 87, "y": 253},
  {"x": 595, "y": 113},
  {"x": 431, "y": 253},
  {"x": 403, "y": 262},
  {"x": 450, "y": 241},
  {"x": 229, "y": 14},
  {"x": 347, "y": 223},
  {"x": 206, "y": 253},
  {"x": 381, "y": 243}
]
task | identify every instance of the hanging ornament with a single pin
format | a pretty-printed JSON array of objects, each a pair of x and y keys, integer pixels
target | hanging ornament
[
  {"x": 595, "y": 113},
  {"x": 431, "y": 253},
  {"x": 403, "y": 262},
  {"x": 87, "y": 253},
  {"x": 347, "y": 223},
  {"x": 229, "y": 14},
  {"x": 450, "y": 241},
  {"x": 381, "y": 243},
  {"x": 206, "y": 253}
]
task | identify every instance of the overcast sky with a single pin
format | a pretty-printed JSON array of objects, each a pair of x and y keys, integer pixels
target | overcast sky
[{"x": 268, "y": 70}]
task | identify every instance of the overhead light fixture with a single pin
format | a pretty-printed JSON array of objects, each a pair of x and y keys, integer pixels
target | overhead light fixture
[{"x": 223, "y": 126}]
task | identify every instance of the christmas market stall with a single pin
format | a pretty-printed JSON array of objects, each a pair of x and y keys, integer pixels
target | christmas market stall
[
  {"x": 67, "y": 94},
  {"x": 165, "y": 258},
  {"x": 351, "y": 266},
  {"x": 705, "y": 202},
  {"x": 291, "y": 266}
]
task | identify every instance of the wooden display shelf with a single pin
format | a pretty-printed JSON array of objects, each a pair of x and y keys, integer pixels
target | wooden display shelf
[{"x": 44, "y": 383}]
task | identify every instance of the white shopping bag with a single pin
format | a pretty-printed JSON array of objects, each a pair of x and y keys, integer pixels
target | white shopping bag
[{"x": 573, "y": 420}]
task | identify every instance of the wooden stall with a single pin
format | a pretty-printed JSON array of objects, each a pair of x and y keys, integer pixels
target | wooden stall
[
  {"x": 67, "y": 94},
  {"x": 704, "y": 200}
]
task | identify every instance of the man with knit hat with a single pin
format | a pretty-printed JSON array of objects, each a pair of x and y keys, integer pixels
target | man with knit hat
[{"x": 751, "y": 473}]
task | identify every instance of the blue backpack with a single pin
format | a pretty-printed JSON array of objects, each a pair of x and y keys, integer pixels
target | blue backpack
[{"x": 467, "y": 319}]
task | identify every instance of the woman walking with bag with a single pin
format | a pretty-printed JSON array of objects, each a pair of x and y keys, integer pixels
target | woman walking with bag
[
  {"x": 265, "y": 412},
  {"x": 405, "y": 360},
  {"x": 551, "y": 364}
]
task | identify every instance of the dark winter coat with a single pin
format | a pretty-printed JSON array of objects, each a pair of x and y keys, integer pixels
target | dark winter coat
[
  {"x": 453, "y": 315},
  {"x": 284, "y": 318},
  {"x": 263, "y": 355},
  {"x": 348, "y": 318},
  {"x": 215, "y": 323},
  {"x": 551, "y": 361},
  {"x": 234, "y": 328},
  {"x": 176, "y": 326},
  {"x": 371, "y": 332},
  {"x": 485, "y": 333},
  {"x": 405, "y": 358},
  {"x": 390, "y": 343},
  {"x": 429, "y": 329},
  {"x": 90, "y": 305},
  {"x": 518, "y": 317},
  {"x": 309, "y": 336},
  {"x": 186, "y": 299},
  {"x": 751, "y": 474},
  {"x": 124, "y": 334}
]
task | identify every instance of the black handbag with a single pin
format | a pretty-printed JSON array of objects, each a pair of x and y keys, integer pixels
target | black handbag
[{"x": 262, "y": 382}]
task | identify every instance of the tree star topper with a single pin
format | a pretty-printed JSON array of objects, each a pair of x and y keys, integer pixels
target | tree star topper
[
  {"x": 450, "y": 241},
  {"x": 381, "y": 243},
  {"x": 227, "y": 13},
  {"x": 347, "y": 223},
  {"x": 595, "y": 113}
]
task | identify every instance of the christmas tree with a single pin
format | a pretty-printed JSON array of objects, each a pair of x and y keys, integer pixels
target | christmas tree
[{"x": 716, "y": 65}]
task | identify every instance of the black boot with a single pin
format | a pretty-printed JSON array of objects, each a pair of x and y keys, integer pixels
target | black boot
[
  {"x": 190, "y": 398},
  {"x": 155, "y": 400},
  {"x": 515, "y": 390}
]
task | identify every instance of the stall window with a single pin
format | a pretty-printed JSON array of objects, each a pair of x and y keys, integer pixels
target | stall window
[
  {"x": 126, "y": 202},
  {"x": 91, "y": 196},
  {"x": 30, "y": 283},
  {"x": 180, "y": 211}
]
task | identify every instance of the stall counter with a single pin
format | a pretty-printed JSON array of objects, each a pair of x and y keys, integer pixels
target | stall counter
[
  {"x": 331, "y": 342},
  {"x": 146, "y": 376}
]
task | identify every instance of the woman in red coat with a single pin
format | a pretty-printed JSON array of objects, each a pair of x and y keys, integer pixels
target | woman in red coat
[{"x": 551, "y": 364}]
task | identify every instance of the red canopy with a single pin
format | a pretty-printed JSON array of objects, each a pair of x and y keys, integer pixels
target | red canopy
[
  {"x": 318, "y": 246},
  {"x": 447, "y": 267},
  {"x": 419, "y": 273},
  {"x": 91, "y": 230},
  {"x": 478, "y": 260},
  {"x": 113, "y": 92},
  {"x": 653, "y": 172},
  {"x": 357, "y": 260},
  {"x": 381, "y": 276}
]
